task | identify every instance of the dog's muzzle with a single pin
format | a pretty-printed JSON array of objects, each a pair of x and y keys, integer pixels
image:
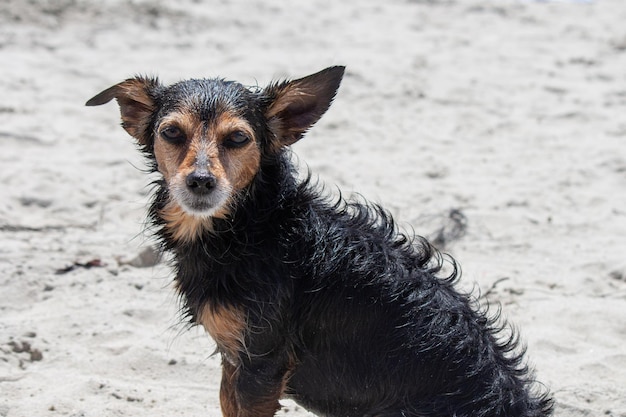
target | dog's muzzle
[{"x": 200, "y": 193}]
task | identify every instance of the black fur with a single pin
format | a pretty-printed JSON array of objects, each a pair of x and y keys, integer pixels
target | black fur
[{"x": 361, "y": 316}]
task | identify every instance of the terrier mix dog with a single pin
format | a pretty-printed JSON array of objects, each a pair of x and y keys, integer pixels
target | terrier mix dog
[{"x": 308, "y": 297}]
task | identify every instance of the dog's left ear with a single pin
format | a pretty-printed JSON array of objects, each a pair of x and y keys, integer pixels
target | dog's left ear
[
  {"x": 135, "y": 97},
  {"x": 296, "y": 105}
]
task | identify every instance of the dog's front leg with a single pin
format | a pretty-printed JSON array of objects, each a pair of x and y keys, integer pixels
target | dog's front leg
[
  {"x": 253, "y": 387},
  {"x": 228, "y": 397}
]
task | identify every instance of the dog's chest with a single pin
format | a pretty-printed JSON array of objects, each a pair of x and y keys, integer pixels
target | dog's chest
[{"x": 226, "y": 325}]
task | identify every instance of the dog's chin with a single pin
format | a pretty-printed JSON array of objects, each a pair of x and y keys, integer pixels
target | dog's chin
[
  {"x": 204, "y": 206},
  {"x": 200, "y": 210}
]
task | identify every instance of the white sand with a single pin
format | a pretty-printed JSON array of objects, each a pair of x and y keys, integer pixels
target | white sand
[{"x": 512, "y": 112}]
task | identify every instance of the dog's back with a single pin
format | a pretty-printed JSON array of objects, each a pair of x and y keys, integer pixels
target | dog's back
[{"x": 380, "y": 317}]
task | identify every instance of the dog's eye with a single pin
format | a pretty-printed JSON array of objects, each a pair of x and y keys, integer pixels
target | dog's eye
[
  {"x": 173, "y": 134},
  {"x": 236, "y": 139}
]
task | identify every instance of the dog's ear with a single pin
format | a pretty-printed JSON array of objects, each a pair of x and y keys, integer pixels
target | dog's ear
[
  {"x": 296, "y": 105},
  {"x": 135, "y": 97}
]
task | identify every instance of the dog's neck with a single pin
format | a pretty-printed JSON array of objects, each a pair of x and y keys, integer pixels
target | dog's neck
[{"x": 215, "y": 261}]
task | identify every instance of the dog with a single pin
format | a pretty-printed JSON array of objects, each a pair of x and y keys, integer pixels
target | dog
[{"x": 315, "y": 298}]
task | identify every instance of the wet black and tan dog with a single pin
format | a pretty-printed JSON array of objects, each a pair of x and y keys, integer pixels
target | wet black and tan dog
[{"x": 317, "y": 299}]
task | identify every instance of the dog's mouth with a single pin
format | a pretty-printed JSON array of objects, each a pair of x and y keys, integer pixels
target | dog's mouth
[{"x": 206, "y": 203}]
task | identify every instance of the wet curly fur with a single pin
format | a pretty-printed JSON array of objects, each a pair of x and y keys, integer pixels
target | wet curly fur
[{"x": 329, "y": 303}]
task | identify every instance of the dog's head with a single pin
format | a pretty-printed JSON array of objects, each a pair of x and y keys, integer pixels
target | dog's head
[{"x": 209, "y": 136}]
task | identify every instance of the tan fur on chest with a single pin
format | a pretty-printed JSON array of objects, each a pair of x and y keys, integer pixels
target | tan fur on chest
[{"x": 226, "y": 325}]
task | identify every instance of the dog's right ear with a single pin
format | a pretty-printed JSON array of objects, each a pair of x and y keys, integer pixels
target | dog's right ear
[{"x": 135, "y": 97}]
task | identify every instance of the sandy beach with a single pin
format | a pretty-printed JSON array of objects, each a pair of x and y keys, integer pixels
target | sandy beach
[{"x": 496, "y": 128}]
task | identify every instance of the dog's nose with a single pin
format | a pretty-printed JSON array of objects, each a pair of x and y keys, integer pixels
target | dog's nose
[{"x": 201, "y": 182}]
